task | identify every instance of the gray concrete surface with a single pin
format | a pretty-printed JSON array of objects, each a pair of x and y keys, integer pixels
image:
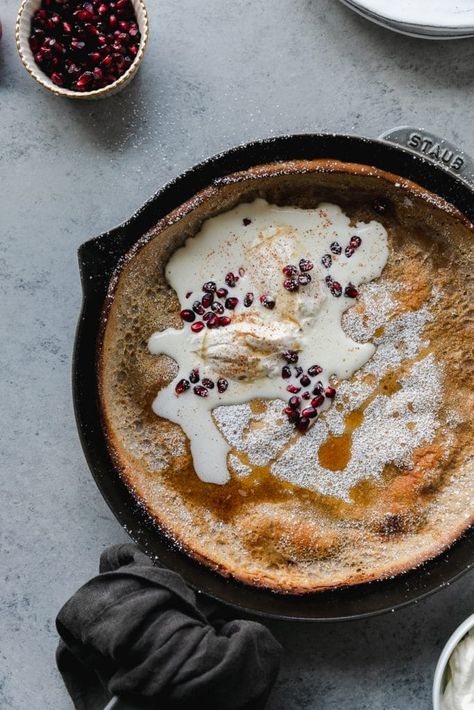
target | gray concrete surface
[{"x": 216, "y": 73}]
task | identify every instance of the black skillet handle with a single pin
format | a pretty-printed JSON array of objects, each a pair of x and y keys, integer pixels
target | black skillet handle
[
  {"x": 436, "y": 149},
  {"x": 99, "y": 257}
]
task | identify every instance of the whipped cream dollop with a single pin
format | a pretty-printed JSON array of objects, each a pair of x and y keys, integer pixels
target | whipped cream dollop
[
  {"x": 459, "y": 691},
  {"x": 244, "y": 357}
]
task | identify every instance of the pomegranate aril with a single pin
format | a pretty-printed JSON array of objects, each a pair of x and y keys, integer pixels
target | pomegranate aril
[
  {"x": 57, "y": 78},
  {"x": 102, "y": 9},
  {"x": 314, "y": 370},
  {"x": 317, "y": 401},
  {"x": 222, "y": 384},
  {"x": 335, "y": 247},
  {"x": 348, "y": 251},
  {"x": 330, "y": 392},
  {"x": 209, "y": 286},
  {"x": 302, "y": 424},
  {"x": 45, "y": 53},
  {"x": 290, "y": 356},
  {"x": 74, "y": 70},
  {"x": 326, "y": 260},
  {"x": 355, "y": 242},
  {"x": 231, "y": 279},
  {"x": 83, "y": 15},
  {"x": 208, "y": 384},
  {"x": 298, "y": 371},
  {"x": 207, "y": 315},
  {"x": 293, "y": 389},
  {"x": 246, "y": 221},
  {"x": 350, "y": 291},
  {"x": 198, "y": 308},
  {"x": 294, "y": 402},
  {"x": 292, "y": 414},
  {"x": 305, "y": 381},
  {"x": 291, "y": 284},
  {"x": 319, "y": 388},
  {"x": 95, "y": 57},
  {"x": 336, "y": 289},
  {"x": 304, "y": 279},
  {"x": 305, "y": 265},
  {"x": 306, "y": 395},
  {"x": 224, "y": 320},
  {"x": 207, "y": 300},
  {"x": 213, "y": 321},
  {"x": 217, "y": 307},
  {"x": 285, "y": 372},
  {"x": 112, "y": 20},
  {"x": 221, "y": 292},
  {"x": 200, "y": 391},
  {"x": 309, "y": 412},
  {"x": 194, "y": 376},
  {"x": 85, "y": 79},
  {"x": 181, "y": 387},
  {"x": 67, "y": 27},
  {"x": 267, "y": 302},
  {"x": 231, "y": 303},
  {"x": 187, "y": 315},
  {"x": 328, "y": 279},
  {"x": 77, "y": 45},
  {"x": 197, "y": 327},
  {"x": 290, "y": 270},
  {"x": 248, "y": 299}
]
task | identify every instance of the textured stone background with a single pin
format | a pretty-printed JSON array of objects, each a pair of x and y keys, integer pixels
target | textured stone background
[{"x": 216, "y": 73}]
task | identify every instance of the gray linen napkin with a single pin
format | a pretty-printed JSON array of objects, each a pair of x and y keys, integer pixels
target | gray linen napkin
[{"x": 135, "y": 631}]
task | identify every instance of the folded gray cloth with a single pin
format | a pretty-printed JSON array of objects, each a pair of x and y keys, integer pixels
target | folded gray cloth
[{"x": 135, "y": 631}]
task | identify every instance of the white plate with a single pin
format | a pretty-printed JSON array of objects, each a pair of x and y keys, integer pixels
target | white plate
[
  {"x": 412, "y": 30},
  {"x": 446, "y": 14}
]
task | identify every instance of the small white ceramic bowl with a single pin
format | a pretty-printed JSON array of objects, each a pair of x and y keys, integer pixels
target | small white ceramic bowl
[
  {"x": 23, "y": 27},
  {"x": 439, "y": 682}
]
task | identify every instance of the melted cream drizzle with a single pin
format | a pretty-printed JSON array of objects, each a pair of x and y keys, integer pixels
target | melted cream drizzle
[{"x": 248, "y": 351}]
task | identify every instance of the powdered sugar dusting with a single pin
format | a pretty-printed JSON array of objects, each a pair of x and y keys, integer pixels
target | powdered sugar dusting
[
  {"x": 391, "y": 430},
  {"x": 378, "y": 301},
  {"x": 393, "y": 424},
  {"x": 261, "y": 436}
]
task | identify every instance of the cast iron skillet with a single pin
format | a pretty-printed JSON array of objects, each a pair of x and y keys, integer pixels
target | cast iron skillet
[{"x": 99, "y": 257}]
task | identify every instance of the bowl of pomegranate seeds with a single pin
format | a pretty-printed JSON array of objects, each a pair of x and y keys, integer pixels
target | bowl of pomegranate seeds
[{"x": 82, "y": 50}]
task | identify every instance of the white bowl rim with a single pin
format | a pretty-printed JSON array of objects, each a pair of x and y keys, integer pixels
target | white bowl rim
[
  {"x": 37, "y": 74},
  {"x": 443, "y": 660}
]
